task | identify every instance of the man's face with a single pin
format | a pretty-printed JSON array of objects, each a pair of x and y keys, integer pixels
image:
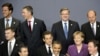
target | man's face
[
  {"x": 24, "y": 52},
  {"x": 9, "y": 34},
  {"x": 91, "y": 16},
  {"x": 25, "y": 13},
  {"x": 48, "y": 39},
  {"x": 56, "y": 48},
  {"x": 91, "y": 48},
  {"x": 5, "y": 11},
  {"x": 64, "y": 15}
]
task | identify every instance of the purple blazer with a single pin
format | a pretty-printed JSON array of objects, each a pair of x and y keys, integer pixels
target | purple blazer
[{"x": 72, "y": 50}]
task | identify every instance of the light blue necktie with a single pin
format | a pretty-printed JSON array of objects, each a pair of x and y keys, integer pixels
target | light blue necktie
[{"x": 65, "y": 30}]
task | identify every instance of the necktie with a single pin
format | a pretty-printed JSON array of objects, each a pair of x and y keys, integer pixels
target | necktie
[
  {"x": 29, "y": 25},
  {"x": 49, "y": 51},
  {"x": 7, "y": 24},
  {"x": 93, "y": 28},
  {"x": 10, "y": 49},
  {"x": 65, "y": 30}
]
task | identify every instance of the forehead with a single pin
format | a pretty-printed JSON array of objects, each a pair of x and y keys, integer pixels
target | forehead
[
  {"x": 90, "y": 44},
  {"x": 9, "y": 30},
  {"x": 57, "y": 45},
  {"x": 24, "y": 49},
  {"x": 5, "y": 7},
  {"x": 77, "y": 36},
  {"x": 48, "y": 36},
  {"x": 91, "y": 12}
]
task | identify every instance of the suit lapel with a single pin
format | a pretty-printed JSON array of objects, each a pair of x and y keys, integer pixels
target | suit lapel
[
  {"x": 34, "y": 25},
  {"x": 90, "y": 29},
  {"x": 97, "y": 28},
  {"x": 14, "y": 48},
  {"x": 61, "y": 28},
  {"x": 70, "y": 28},
  {"x": 13, "y": 22},
  {"x": 3, "y": 23}
]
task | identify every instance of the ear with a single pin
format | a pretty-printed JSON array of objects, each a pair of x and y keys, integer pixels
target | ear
[
  {"x": 19, "y": 53},
  {"x": 43, "y": 40},
  {"x": 10, "y": 11},
  {"x": 13, "y": 33}
]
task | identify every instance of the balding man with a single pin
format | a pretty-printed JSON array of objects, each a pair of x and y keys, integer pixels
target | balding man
[{"x": 91, "y": 29}]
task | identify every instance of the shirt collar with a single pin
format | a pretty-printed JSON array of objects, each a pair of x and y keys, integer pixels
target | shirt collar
[
  {"x": 65, "y": 21},
  {"x": 54, "y": 54},
  {"x": 93, "y": 23},
  {"x": 12, "y": 40},
  {"x": 10, "y": 18},
  {"x": 97, "y": 54},
  {"x": 32, "y": 19}
]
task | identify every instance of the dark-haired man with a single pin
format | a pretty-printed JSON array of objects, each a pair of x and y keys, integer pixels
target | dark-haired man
[
  {"x": 10, "y": 47},
  {"x": 32, "y": 30},
  {"x": 64, "y": 29},
  {"x": 8, "y": 21},
  {"x": 93, "y": 48}
]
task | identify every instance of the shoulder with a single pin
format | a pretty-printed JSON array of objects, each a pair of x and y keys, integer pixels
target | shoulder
[
  {"x": 85, "y": 24},
  {"x": 15, "y": 19},
  {"x": 71, "y": 46},
  {"x": 1, "y": 19},
  {"x": 85, "y": 46},
  {"x": 38, "y": 20},
  {"x": 57, "y": 23}
]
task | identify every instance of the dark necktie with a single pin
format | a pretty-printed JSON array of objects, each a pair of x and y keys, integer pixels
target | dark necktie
[
  {"x": 10, "y": 49},
  {"x": 7, "y": 24},
  {"x": 29, "y": 25},
  {"x": 65, "y": 30},
  {"x": 49, "y": 51}
]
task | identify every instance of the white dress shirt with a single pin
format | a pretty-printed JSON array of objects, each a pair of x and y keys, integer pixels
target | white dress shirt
[
  {"x": 32, "y": 22},
  {"x": 67, "y": 23},
  {"x": 12, "y": 43},
  {"x": 97, "y": 54},
  {"x": 54, "y": 54},
  {"x": 47, "y": 48},
  {"x": 94, "y": 27},
  {"x": 10, "y": 21}
]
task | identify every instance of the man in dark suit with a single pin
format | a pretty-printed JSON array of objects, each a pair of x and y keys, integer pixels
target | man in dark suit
[
  {"x": 91, "y": 29},
  {"x": 93, "y": 48},
  {"x": 8, "y": 20},
  {"x": 46, "y": 49},
  {"x": 10, "y": 47},
  {"x": 32, "y": 30},
  {"x": 64, "y": 29}
]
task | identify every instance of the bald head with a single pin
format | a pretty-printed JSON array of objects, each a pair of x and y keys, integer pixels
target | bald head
[{"x": 91, "y": 15}]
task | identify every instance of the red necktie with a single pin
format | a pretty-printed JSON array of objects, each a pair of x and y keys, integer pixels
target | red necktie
[{"x": 29, "y": 25}]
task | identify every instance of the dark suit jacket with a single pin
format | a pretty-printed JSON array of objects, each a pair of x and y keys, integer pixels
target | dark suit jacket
[
  {"x": 42, "y": 51},
  {"x": 58, "y": 33},
  {"x": 15, "y": 24},
  {"x": 87, "y": 30},
  {"x": 33, "y": 38},
  {"x": 4, "y": 48}
]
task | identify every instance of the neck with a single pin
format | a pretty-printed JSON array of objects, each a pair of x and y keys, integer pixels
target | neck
[
  {"x": 11, "y": 39},
  {"x": 29, "y": 18},
  {"x": 78, "y": 45},
  {"x": 92, "y": 21},
  {"x": 8, "y": 16},
  {"x": 94, "y": 53}
]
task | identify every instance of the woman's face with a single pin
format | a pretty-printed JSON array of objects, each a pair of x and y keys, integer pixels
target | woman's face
[{"x": 78, "y": 39}]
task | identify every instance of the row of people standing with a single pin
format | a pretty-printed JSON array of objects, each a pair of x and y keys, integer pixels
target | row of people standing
[{"x": 30, "y": 31}]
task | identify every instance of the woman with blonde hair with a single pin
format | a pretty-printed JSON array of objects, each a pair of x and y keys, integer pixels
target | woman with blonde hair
[{"x": 79, "y": 48}]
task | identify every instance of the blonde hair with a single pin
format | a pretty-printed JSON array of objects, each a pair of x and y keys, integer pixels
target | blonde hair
[{"x": 79, "y": 33}]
